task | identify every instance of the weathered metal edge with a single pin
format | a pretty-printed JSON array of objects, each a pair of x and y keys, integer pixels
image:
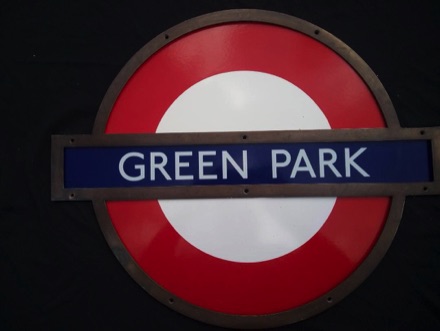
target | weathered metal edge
[
  {"x": 248, "y": 191},
  {"x": 242, "y": 137}
]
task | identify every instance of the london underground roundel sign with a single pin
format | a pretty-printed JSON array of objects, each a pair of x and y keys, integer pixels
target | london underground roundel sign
[{"x": 247, "y": 168}]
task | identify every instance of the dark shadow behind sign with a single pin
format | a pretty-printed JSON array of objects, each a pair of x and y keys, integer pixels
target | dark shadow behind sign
[{"x": 51, "y": 253}]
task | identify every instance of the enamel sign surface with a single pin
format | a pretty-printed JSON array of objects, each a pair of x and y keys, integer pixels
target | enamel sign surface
[{"x": 247, "y": 168}]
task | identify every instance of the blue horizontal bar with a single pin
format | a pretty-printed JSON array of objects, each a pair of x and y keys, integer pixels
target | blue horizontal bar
[{"x": 405, "y": 161}]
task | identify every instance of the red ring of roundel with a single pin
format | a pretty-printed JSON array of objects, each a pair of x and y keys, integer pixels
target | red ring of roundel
[{"x": 247, "y": 288}]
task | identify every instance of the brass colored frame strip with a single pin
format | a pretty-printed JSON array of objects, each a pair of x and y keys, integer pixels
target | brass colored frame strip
[
  {"x": 247, "y": 191},
  {"x": 207, "y": 138},
  {"x": 435, "y": 146}
]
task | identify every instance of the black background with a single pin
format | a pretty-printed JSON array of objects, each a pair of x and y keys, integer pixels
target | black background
[{"x": 57, "y": 60}]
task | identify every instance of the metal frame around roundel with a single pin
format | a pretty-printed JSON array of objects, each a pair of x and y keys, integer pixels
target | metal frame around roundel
[{"x": 240, "y": 320}]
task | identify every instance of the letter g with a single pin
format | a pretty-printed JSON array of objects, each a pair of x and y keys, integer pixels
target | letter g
[{"x": 139, "y": 167}]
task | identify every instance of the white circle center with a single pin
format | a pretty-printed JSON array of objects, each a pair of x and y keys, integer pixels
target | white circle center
[{"x": 254, "y": 229}]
